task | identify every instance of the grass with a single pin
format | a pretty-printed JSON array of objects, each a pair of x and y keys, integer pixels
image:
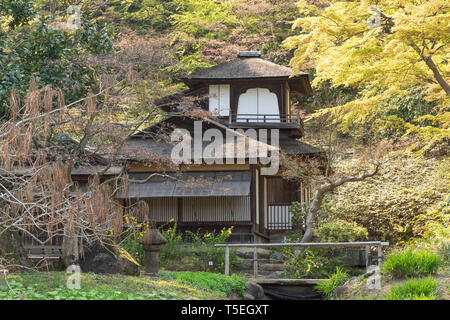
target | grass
[
  {"x": 411, "y": 263},
  {"x": 210, "y": 281},
  {"x": 52, "y": 286},
  {"x": 327, "y": 287},
  {"x": 414, "y": 289}
]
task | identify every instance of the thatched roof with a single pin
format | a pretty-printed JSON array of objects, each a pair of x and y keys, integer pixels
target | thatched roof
[
  {"x": 243, "y": 68},
  {"x": 146, "y": 145}
]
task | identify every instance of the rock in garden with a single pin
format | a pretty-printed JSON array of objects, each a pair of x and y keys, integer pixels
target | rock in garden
[
  {"x": 277, "y": 256},
  {"x": 346, "y": 288},
  {"x": 98, "y": 259},
  {"x": 248, "y": 296},
  {"x": 255, "y": 290}
]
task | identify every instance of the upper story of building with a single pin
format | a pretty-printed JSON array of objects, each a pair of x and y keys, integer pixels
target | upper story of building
[{"x": 248, "y": 92}]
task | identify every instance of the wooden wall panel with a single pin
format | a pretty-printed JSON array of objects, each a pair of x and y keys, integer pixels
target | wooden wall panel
[{"x": 212, "y": 209}]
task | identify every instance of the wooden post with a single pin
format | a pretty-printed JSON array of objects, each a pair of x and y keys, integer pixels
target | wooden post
[
  {"x": 255, "y": 262},
  {"x": 367, "y": 255},
  {"x": 380, "y": 255},
  {"x": 227, "y": 260}
]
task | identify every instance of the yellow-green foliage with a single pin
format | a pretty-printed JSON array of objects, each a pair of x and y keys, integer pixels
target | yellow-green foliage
[
  {"x": 338, "y": 230},
  {"x": 388, "y": 204},
  {"x": 436, "y": 229},
  {"x": 437, "y": 221},
  {"x": 383, "y": 62}
]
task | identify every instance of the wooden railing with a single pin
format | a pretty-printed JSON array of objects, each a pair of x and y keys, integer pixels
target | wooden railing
[
  {"x": 255, "y": 246},
  {"x": 265, "y": 118}
]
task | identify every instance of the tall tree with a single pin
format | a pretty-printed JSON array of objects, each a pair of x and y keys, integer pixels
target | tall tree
[
  {"x": 40, "y": 48},
  {"x": 386, "y": 49}
]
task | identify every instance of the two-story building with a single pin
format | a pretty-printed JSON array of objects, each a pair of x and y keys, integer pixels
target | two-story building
[{"x": 226, "y": 189}]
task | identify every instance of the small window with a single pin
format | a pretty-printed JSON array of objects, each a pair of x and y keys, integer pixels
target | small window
[{"x": 219, "y": 99}]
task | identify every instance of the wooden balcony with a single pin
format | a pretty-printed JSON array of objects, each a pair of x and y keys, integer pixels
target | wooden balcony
[{"x": 268, "y": 121}]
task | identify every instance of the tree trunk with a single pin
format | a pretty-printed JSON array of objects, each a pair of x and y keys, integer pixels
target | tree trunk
[
  {"x": 70, "y": 253},
  {"x": 430, "y": 63},
  {"x": 316, "y": 203},
  {"x": 437, "y": 75}
]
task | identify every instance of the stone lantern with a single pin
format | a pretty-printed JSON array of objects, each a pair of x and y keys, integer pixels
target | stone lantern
[{"x": 153, "y": 242}]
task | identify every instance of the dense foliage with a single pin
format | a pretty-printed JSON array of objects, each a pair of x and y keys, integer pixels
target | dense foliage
[
  {"x": 52, "y": 286},
  {"x": 414, "y": 289},
  {"x": 211, "y": 281},
  {"x": 36, "y": 48},
  {"x": 393, "y": 52},
  {"x": 411, "y": 263},
  {"x": 328, "y": 286},
  {"x": 340, "y": 231},
  {"x": 390, "y": 204}
]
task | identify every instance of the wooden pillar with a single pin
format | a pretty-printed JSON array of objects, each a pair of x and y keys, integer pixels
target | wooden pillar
[
  {"x": 255, "y": 262},
  {"x": 227, "y": 260},
  {"x": 380, "y": 254},
  {"x": 367, "y": 255}
]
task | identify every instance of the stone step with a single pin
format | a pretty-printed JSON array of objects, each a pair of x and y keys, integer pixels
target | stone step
[
  {"x": 268, "y": 265},
  {"x": 266, "y": 274},
  {"x": 248, "y": 253},
  {"x": 273, "y": 267}
]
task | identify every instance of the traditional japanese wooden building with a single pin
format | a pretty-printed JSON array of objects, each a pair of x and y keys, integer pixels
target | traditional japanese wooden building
[{"x": 246, "y": 93}]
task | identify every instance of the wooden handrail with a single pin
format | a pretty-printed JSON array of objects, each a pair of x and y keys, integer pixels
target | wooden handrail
[
  {"x": 264, "y": 117},
  {"x": 365, "y": 244}
]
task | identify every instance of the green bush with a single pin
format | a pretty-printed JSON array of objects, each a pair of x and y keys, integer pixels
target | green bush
[
  {"x": 322, "y": 262},
  {"x": 314, "y": 263},
  {"x": 171, "y": 250},
  {"x": 211, "y": 281},
  {"x": 327, "y": 287},
  {"x": 130, "y": 239},
  {"x": 414, "y": 289},
  {"x": 444, "y": 252},
  {"x": 52, "y": 286},
  {"x": 298, "y": 212},
  {"x": 340, "y": 231},
  {"x": 389, "y": 204},
  {"x": 411, "y": 263},
  {"x": 205, "y": 251}
]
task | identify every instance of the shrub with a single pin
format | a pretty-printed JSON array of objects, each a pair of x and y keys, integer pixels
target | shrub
[
  {"x": 298, "y": 212},
  {"x": 411, "y": 263},
  {"x": 340, "y": 231},
  {"x": 444, "y": 252},
  {"x": 387, "y": 203},
  {"x": 322, "y": 262},
  {"x": 210, "y": 281},
  {"x": 314, "y": 263},
  {"x": 414, "y": 289},
  {"x": 206, "y": 251},
  {"x": 130, "y": 239},
  {"x": 434, "y": 225},
  {"x": 171, "y": 250},
  {"x": 327, "y": 287}
]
